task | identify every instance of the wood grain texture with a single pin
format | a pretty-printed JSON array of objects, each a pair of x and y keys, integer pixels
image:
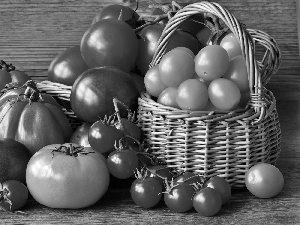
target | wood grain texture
[{"x": 33, "y": 32}]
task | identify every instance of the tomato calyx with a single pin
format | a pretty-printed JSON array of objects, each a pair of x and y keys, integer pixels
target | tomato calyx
[
  {"x": 6, "y": 66},
  {"x": 71, "y": 150},
  {"x": 4, "y": 198}
]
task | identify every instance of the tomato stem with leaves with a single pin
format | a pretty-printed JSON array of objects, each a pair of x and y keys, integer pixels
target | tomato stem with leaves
[{"x": 71, "y": 150}]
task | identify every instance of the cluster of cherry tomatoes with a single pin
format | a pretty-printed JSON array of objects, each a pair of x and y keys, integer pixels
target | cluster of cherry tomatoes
[
  {"x": 180, "y": 192},
  {"x": 214, "y": 79}
]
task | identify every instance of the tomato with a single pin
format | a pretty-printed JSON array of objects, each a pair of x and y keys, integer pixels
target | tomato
[
  {"x": 67, "y": 176},
  {"x": 13, "y": 195},
  {"x": 224, "y": 94},
  {"x": 231, "y": 44},
  {"x": 188, "y": 178},
  {"x": 93, "y": 92},
  {"x": 168, "y": 97},
  {"x": 264, "y": 180},
  {"x": 81, "y": 135},
  {"x": 192, "y": 94},
  {"x": 67, "y": 66},
  {"x": 116, "y": 11},
  {"x": 33, "y": 121},
  {"x": 148, "y": 39},
  {"x": 207, "y": 201},
  {"x": 211, "y": 62},
  {"x": 122, "y": 163},
  {"x": 146, "y": 192},
  {"x": 153, "y": 83},
  {"x": 180, "y": 198},
  {"x": 220, "y": 185},
  {"x": 110, "y": 42},
  {"x": 14, "y": 157},
  {"x": 175, "y": 67},
  {"x": 103, "y": 137},
  {"x": 237, "y": 72}
]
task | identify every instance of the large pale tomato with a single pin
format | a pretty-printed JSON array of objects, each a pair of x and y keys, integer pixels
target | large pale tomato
[
  {"x": 34, "y": 121},
  {"x": 110, "y": 42},
  {"x": 67, "y": 176},
  {"x": 93, "y": 92}
]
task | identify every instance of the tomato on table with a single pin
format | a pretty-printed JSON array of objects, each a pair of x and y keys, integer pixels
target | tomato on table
[{"x": 67, "y": 176}]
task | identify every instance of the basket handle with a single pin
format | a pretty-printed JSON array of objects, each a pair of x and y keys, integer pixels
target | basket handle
[{"x": 247, "y": 43}]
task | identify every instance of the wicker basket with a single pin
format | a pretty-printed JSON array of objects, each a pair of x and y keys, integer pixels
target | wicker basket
[{"x": 217, "y": 142}]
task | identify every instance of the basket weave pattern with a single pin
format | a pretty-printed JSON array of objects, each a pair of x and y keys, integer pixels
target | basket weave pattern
[{"x": 217, "y": 143}]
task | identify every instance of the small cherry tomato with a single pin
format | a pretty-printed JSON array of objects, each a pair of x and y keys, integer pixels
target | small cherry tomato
[
  {"x": 153, "y": 83},
  {"x": 220, "y": 185},
  {"x": 211, "y": 62},
  {"x": 192, "y": 94},
  {"x": 168, "y": 97},
  {"x": 180, "y": 197},
  {"x": 207, "y": 201},
  {"x": 146, "y": 192},
  {"x": 122, "y": 163},
  {"x": 237, "y": 72},
  {"x": 264, "y": 180},
  {"x": 175, "y": 67},
  {"x": 231, "y": 44},
  {"x": 224, "y": 94},
  {"x": 13, "y": 195}
]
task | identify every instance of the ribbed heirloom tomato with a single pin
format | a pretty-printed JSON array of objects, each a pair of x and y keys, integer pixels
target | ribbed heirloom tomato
[{"x": 67, "y": 176}]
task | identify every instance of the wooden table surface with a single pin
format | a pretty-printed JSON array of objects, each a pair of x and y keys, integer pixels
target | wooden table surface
[{"x": 33, "y": 32}]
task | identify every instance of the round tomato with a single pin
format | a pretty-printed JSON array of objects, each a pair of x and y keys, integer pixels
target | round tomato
[
  {"x": 14, "y": 157},
  {"x": 93, "y": 92},
  {"x": 175, "y": 67},
  {"x": 264, "y": 180},
  {"x": 122, "y": 163},
  {"x": 168, "y": 97},
  {"x": 103, "y": 137},
  {"x": 153, "y": 83},
  {"x": 118, "y": 12},
  {"x": 67, "y": 176},
  {"x": 237, "y": 72},
  {"x": 207, "y": 201},
  {"x": 67, "y": 66},
  {"x": 180, "y": 198},
  {"x": 231, "y": 44},
  {"x": 13, "y": 195},
  {"x": 211, "y": 62},
  {"x": 224, "y": 94},
  {"x": 110, "y": 42},
  {"x": 81, "y": 135},
  {"x": 34, "y": 121},
  {"x": 192, "y": 94},
  {"x": 146, "y": 192},
  {"x": 220, "y": 185}
]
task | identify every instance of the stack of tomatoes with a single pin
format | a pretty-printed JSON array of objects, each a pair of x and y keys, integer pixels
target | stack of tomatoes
[{"x": 214, "y": 79}]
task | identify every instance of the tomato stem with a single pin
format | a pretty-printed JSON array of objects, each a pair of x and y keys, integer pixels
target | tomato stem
[
  {"x": 70, "y": 150},
  {"x": 6, "y": 66}
]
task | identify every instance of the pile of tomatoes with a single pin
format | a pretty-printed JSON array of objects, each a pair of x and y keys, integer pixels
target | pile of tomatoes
[
  {"x": 65, "y": 168},
  {"x": 214, "y": 79}
]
